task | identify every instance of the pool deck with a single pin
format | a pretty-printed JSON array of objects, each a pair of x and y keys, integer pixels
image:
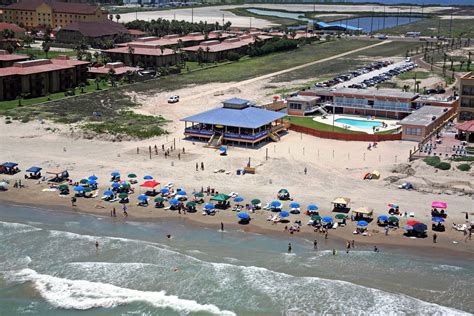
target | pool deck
[{"x": 391, "y": 123}]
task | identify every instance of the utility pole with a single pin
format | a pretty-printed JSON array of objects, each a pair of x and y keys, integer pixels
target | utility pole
[
  {"x": 372, "y": 21},
  {"x": 398, "y": 14},
  {"x": 223, "y": 21},
  {"x": 451, "y": 23},
  {"x": 384, "y": 16},
  {"x": 409, "y": 17},
  {"x": 192, "y": 15},
  {"x": 250, "y": 22}
]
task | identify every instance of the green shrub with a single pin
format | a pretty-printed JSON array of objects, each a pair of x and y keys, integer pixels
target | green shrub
[
  {"x": 432, "y": 161},
  {"x": 443, "y": 166},
  {"x": 233, "y": 56},
  {"x": 463, "y": 158},
  {"x": 464, "y": 167},
  {"x": 8, "y": 122},
  {"x": 25, "y": 119}
]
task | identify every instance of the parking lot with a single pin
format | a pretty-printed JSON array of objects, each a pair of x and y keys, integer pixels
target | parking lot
[{"x": 369, "y": 75}]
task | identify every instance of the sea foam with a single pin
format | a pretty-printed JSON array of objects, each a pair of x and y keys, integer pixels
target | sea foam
[{"x": 83, "y": 295}]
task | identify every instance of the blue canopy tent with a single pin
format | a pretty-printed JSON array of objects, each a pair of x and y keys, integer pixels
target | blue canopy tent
[
  {"x": 34, "y": 169},
  {"x": 312, "y": 207},
  {"x": 295, "y": 205},
  {"x": 243, "y": 216},
  {"x": 239, "y": 199},
  {"x": 362, "y": 223},
  {"x": 284, "y": 214},
  {"x": 327, "y": 219},
  {"x": 93, "y": 178},
  {"x": 115, "y": 174}
]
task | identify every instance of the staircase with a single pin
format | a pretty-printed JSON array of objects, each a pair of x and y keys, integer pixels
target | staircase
[
  {"x": 274, "y": 137},
  {"x": 220, "y": 140},
  {"x": 322, "y": 110},
  {"x": 211, "y": 140}
]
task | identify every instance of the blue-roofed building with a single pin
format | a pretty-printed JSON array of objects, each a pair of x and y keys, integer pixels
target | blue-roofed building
[{"x": 237, "y": 121}]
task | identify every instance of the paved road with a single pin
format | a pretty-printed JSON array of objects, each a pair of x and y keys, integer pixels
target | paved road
[
  {"x": 226, "y": 86},
  {"x": 370, "y": 74}
]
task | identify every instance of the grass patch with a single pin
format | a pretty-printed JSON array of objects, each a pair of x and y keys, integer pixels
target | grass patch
[
  {"x": 129, "y": 123},
  {"x": 307, "y": 121},
  {"x": 272, "y": 19},
  {"x": 351, "y": 61},
  {"x": 443, "y": 166},
  {"x": 429, "y": 27},
  {"x": 411, "y": 74},
  {"x": 390, "y": 131},
  {"x": 432, "y": 161},
  {"x": 39, "y": 54},
  {"x": 12, "y": 104},
  {"x": 464, "y": 167},
  {"x": 464, "y": 158}
]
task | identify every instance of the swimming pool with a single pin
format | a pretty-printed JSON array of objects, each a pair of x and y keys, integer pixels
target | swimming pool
[{"x": 359, "y": 123}]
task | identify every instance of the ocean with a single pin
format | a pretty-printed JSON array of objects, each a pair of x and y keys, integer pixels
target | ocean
[{"x": 49, "y": 265}]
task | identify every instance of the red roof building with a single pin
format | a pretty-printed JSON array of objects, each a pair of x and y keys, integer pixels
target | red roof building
[
  {"x": 144, "y": 54},
  {"x": 40, "y": 77},
  {"x": 7, "y": 59},
  {"x": 90, "y": 32},
  {"x": 118, "y": 67}
]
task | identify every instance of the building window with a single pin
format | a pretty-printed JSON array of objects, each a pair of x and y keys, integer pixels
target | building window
[
  {"x": 295, "y": 106},
  {"x": 413, "y": 131}
]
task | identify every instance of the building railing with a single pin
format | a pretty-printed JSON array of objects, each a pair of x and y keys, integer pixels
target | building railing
[
  {"x": 226, "y": 135},
  {"x": 199, "y": 131},
  {"x": 368, "y": 107}
]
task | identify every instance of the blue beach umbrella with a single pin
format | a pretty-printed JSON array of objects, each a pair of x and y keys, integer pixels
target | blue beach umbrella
[
  {"x": 164, "y": 191},
  {"x": 275, "y": 204},
  {"x": 115, "y": 174},
  {"x": 174, "y": 201},
  {"x": 181, "y": 193},
  {"x": 312, "y": 207},
  {"x": 93, "y": 178},
  {"x": 108, "y": 193},
  {"x": 91, "y": 182},
  {"x": 239, "y": 199},
  {"x": 383, "y": 218},
  {"x": 243, "y": 216},
  {"x": 294, "y": 205},
  {"x": 115, "y": 185},
  {"x": 284, "y": 214},
  {"x": 148, "y": 178},
  {"x": 222, "y": 148},
  {"x": 438, "y": 219},
  {"x": 362, "y": 224},
  {"x": 420, "y": 227},
  {"x": 209, "y": 206},
  {"x": 142, "y": 198},
  {"x": 327, "y": 219},
  {"x": 79, "y": 188}
]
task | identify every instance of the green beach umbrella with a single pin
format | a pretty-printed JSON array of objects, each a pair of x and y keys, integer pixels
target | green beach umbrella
[
  {"x": 255, "y": 201},
  {"x": 159, "y": 199},
  {"x": 393, "y": 219},
  {"x": 87, "y": 189},
  {"x": 63, "y": 187},
  {"x": 220, "y": 197},
  {"x": 123, "y": 195},
  {"x": 283, "y": 191},
  {"x": 83, "y": 181},
  {"x": 199, "y": 194},
  {"x": 316, "y": 218},
  {"x": 132, "y": 175},
  {"x": 191, "y": 204},
  {"x": 340, "y": 216}
]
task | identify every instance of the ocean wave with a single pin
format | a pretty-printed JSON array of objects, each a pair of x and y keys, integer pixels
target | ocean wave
[
  {"x": 9, "y": 228},
  {"x": 447, "y": 267},
  {"x": 309, "y": 294},
  {"x": 83, "y": 295}
]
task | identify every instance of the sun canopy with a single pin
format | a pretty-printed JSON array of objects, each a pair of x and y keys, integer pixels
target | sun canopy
[
  {"x": 220, "y": 197},
  {"x": 34, "y": 169},
  {"x": 439, "y": 205},
  {"x": 249, "y": 117},
  {"x": 149, "y": 184},
  {"x": 364, "y": 210},
  {"x": 341, "y": 200}
]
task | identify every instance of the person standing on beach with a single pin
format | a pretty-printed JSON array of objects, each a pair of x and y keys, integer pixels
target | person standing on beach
[
  {"x": 202, "y": 166},
  {"x": 326, "y": 235},
  {"x": 435, "y": 236},
  {"x": 97, "y": 245},
  {"x": 114, "y": 214},
  {"x": 305, "y": 170},
  {"x": 386, "y": 230},
  {"x": 315, "y": 244},
  {"x": 197, "y": 166},
  {"x": 333, "y": 252},
  {"x": 376, "y": 249},
  {"x": 348, "y": 246},
  {"x": 73, "y": 201},
  {"x": 222, "y": 226},
  {"x": 353, "y": 243},
  {"x": 289, "y": 247}
]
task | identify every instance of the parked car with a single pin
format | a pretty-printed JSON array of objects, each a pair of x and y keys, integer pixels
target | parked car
[{"x": 173, "y": 99}]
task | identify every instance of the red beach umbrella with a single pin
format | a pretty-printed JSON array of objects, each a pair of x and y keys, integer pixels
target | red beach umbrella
[{"x": 149, "y": 184}]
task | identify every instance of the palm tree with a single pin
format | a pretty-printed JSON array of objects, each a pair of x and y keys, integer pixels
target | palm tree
[
  {"x": 469, "y": 61},
  {"x": 131, "y": 55},
  {"x": 461, "y": 63},
  {"x": 82, "y": 85},
  {"x": 117, "y": 17},
  {"x": 97, "y": 83},
  {"x": 46, "y": 47},
  {"x": 111, "y": 17},
  {"x": 111, "y": 74}
]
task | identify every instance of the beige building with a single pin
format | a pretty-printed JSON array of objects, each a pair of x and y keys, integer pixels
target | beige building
[
  {"x": 418, "y": 125},
  {"x": 466, "y": 92},
  {"x": 34, "y": 13}
]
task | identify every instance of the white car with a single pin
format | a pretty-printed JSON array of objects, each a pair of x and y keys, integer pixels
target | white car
[{"x": 173, "y": 99}]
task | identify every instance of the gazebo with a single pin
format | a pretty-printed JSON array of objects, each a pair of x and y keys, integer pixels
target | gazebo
[
  {"x": 238, "y": 121},
  {"x": 466, "y": 131}
]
